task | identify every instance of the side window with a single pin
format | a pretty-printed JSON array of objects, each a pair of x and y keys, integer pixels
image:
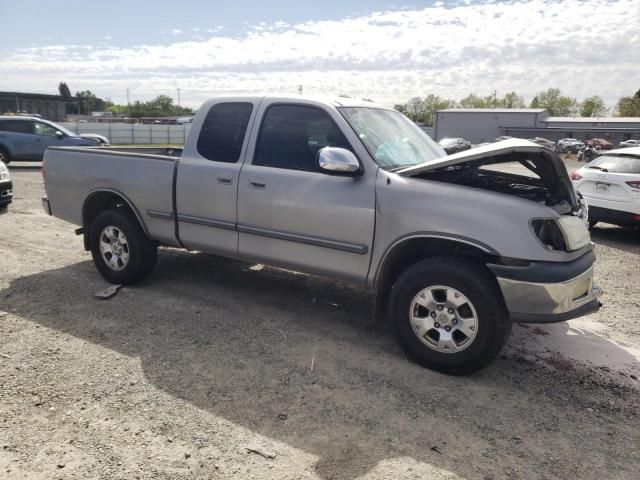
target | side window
[
  {"x": 223, "y": 132},
  {"x": 17, "y": 126},
  {"x": 291, "y": 135},
  {"x": 44, "y": 129}
]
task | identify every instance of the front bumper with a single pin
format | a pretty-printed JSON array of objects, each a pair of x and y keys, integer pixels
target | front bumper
[
  {"x": 6, "y": 193},
  {"x": 548, "y": 292},
  {"x": 614, "y": 216}
]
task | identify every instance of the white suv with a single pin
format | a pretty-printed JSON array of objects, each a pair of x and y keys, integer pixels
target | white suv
[{"x": 611, "y": 185}]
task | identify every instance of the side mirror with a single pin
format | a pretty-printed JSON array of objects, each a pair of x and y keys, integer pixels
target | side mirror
[
  {"x": 59, "y": 134},
  {"x": 338, "y": 161}
]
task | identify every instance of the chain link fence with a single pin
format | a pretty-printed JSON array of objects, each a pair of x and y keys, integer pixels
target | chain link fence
[{"x": 134, "y": 133}]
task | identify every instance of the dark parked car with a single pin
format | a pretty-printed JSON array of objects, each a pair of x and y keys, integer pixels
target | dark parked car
[
  {"x": 26, "y": 138},
  {"x": 454, "y": 145},
  {"x": 6, "y": 193}
]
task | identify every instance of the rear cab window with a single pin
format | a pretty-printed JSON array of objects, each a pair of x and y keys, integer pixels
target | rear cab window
[{"x": 223, "y": 131}]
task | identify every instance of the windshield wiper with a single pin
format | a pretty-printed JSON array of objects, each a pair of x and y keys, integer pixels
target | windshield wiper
[{"x": 602, "y": 169}]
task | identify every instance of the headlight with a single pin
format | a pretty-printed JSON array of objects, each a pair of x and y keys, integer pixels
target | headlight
[
  {"x": 5, "y": 176},
  {"x": 575, "y": 232},
  {"x": 566, "y": 233}
]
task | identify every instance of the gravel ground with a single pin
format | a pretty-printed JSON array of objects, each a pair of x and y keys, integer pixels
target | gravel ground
[{"x": 212, "y": 367}]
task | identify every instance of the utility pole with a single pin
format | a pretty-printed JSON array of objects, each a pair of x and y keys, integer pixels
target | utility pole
[
  {"x": 495, "y": 98},
  {"x": 178, "y": 96},
  {"x": 300, "y": 89},
  {"x": 128, "y": 105}
]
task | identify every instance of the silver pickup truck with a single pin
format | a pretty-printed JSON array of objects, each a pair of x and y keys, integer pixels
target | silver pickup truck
[{"x": 456, "y": 247}]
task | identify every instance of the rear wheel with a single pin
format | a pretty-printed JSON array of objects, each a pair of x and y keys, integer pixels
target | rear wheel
[
  {"x": 121, "y": 251},
  {"x": 448, "y": 315}
]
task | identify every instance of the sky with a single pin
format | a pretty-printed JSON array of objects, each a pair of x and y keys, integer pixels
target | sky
[{"x": 386, "y": 51}]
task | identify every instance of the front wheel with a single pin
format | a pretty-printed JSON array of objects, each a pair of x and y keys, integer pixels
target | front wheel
[
  {"x": 448, "y": 315},
  {"x": 4, "y": 156},
  {"x": 121, "y": 251}
]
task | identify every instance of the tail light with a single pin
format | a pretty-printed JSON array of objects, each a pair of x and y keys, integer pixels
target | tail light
[
  {"x": 575, "y": 175},
  {"x": 634, "y": 184}
]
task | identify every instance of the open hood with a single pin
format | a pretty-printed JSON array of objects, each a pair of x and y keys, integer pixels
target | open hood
[
  {"x": 543, "y": 179},
  {"x": 505, "y": 147}
]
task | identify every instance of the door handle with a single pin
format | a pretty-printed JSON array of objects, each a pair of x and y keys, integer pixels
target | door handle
[
  {"x": 257, "y": 183},
  {"x": 225, "y": 180}
]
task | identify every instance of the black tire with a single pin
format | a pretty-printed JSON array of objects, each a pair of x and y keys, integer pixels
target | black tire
[
  {"x": 4, "y": 156},
  {"x": 481, "y": 289},
  {"x": 142, "y": 252}
]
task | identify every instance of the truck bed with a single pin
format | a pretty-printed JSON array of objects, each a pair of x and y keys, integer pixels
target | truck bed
[{"x": 144, "y": 176}]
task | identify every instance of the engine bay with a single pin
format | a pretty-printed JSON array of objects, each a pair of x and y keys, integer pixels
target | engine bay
[{"x": 531, "y": 177}]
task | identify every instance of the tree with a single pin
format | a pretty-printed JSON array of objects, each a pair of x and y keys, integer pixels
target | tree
[
  {"x": 161, "y": 106},
  {"x": 88, "y": 102},
  {"x": 433, "y": 103},
  {"x": 535, "y": 103},
  {"x": 401, "y": 107},
  {"x": 422, "y": 110},
  {"x": 593, "y": 107},
  {"x": 629, "y": 106},
  {"x": 415, "y": 109},
  {"x": 512, "y": 100},
  {"x": 474, "y": 101},
  {"x": 567, "y": 107},
  {"x": 64, "y": 91},
  {"x": 555, "y": 103}
]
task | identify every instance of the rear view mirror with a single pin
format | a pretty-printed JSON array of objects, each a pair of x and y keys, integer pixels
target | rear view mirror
[
  {"x": 59, "y": 134},
  {"x": 338, "y": 161}
]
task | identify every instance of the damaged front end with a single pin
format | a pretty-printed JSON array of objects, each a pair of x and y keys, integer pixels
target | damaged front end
[
  {"x": 522, "y": 169},
  {"x": 534, "y": 290}
]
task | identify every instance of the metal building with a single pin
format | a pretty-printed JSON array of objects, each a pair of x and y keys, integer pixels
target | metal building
[
  {"x": 50, "y": 107},
  {"x": 480, "y": 125}
]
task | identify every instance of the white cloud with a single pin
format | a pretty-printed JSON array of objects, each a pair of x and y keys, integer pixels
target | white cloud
[{"x": 584, "y": 47}]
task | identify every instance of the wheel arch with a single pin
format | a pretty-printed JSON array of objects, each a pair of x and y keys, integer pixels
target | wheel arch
[
  {"x": 413, "y": 248},
  {"x": 102, "y": 199}
]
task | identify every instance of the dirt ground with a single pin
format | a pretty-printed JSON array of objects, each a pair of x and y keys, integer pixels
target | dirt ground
[{"x": 217, "y": 369}]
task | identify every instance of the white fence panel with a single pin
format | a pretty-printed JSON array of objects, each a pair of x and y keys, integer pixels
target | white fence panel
[{"x": 134, "y": 133}]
